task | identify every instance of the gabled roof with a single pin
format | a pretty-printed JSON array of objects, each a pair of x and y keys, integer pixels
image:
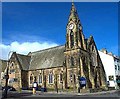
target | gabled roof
[
  {"x": 24, "y": 61},
  {"x": 90, "y": 40},
  {"x": 52, "y": 57},
  {"x": 3, "y": 65}
]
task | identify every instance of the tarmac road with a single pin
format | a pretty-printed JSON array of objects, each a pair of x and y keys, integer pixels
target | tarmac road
[{"x": 28, "y": 94}]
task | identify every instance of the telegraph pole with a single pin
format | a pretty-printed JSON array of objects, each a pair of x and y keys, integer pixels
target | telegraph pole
[
  {"x": 6, "y": 84},
  {"x": 6, "y": 77}
]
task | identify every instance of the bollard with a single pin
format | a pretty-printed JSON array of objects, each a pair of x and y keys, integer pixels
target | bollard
[
  {"x": 34, "y": 90},
  {"x": 19, "y": 90}
]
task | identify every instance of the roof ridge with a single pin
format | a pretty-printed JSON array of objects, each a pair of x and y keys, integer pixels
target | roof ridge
[
  {"x": 3, "y": 60},
  {"x": 22, "y": 55},
  {"x": 48, "y": 48}
]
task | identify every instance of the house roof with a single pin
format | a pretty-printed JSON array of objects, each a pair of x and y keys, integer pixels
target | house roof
[
  {"x": 3, "y": 65},
  {"x": 52, "y": 57},
  {"x": 24, "y": 61}
]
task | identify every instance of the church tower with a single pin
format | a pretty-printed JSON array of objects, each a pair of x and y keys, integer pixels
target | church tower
[
  {"x": 75, "y": 44},
  {"x": 81, "y": 56},
  {"x": 74, "y": 36}
]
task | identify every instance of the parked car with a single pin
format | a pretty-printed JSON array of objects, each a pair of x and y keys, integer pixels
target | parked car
[
  {"x": 9, "y": 88},
  {"x": 43, "y": 89}
]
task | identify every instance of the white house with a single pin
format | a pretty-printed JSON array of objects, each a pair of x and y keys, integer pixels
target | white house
[{"x": 112, "y": 68}]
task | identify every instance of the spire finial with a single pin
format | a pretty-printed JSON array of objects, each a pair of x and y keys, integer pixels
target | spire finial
[{"x": 72, "y": 2}]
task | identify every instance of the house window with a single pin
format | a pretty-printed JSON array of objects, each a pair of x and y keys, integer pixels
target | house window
[
  {"x": 15, "y": 79},
  {"x": 40, "y": 78},
  {"x": 111, "y": 78},
  {"x": 50, "y": 78},
  {"x": 12, "y": 70},
  {"x": 118, "y": 67},
  {"x": 12, "y": 64},
  {"x": 61, "y": 76},
  {"x": 11, "y": 80},
  {"x": 31, "y": 79},
  {"x": 115, "y": 67}
]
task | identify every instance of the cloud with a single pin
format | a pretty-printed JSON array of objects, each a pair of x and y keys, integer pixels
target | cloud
[{"x": 23, "y": 48}]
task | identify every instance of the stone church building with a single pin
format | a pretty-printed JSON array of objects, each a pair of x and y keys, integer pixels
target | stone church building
[{"x": 60, "y": 66}]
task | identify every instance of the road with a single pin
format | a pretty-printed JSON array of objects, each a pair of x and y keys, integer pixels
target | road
[{"x": 28, "y": 94}]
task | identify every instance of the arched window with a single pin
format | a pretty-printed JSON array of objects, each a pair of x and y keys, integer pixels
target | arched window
[
  {"x": 40, "y": 78},
  {"x": 72, "y": 38},
  {"x": 118, "y": 67},
  {"x": 71, "y": 77},
  {"x": 31, "y": 79},
  {"x": 50, "y": 78},
  {"x": 72, "y": 61},
  {"x": 76, "y": 38},
  {"x": 67, "y": 42},
  {"x": 74, "y": 78},
  {"x": 61, "y": 77},
  {"x": 12, "y": 64}
]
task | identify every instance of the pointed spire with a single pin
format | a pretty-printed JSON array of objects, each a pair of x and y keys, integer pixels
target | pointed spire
[
  {"x": 73, "y": 13},
  {"x": 72, "y": 1},
  {"x": 73, "y": 9}
]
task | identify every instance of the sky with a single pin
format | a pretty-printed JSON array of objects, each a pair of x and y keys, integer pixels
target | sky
[{"x": 32, "y": 26}]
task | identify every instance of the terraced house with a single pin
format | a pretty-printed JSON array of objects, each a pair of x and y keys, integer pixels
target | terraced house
[{"x": 61, "y": 66}]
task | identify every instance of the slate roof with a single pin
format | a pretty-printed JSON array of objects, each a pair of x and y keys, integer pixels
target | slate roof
[
  {"x": 3, "y": 65},
  {"x": 24, "y": 61},
  {"x": 52, "y": 57}
]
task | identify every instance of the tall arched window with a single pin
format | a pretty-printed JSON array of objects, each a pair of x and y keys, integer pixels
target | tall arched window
[
  {"x": 31, "y": 79},
  {"x": 40, "y": 78},
  {"x": 76, "y": 38},
  {"x": 72, "y": 61},
  {"x": 72, "y": 38},
  {"x": 71, "y": 77},
  {"x": 50, "y": 78},
  {"x": 61, "y": 77},
  {"x": 67, "y": 41}
]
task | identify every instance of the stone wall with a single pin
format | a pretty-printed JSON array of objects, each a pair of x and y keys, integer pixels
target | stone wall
[{"x": 45, "y": 77}]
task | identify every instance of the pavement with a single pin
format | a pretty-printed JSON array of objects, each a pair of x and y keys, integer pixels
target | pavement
[
  {"x": 61, "y": 93},
  {"x": 26, "y": 93}
]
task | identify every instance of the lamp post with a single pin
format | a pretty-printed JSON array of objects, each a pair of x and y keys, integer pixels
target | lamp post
[{"x": 6, "y": 77}]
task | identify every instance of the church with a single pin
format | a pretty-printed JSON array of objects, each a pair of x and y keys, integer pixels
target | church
[{"x": 61, "y": 66}]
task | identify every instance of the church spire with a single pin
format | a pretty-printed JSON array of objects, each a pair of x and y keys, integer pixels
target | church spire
[
  {"x": 74, "y": 36},
  {"x": 73, "y": 9},
  {"x": 73, "y": 13}
]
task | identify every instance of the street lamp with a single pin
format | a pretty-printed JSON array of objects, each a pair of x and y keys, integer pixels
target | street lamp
[{"x": 7, "y": 77}]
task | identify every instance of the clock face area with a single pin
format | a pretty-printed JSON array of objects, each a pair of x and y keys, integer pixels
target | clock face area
[{"x": 71, "y": 26}]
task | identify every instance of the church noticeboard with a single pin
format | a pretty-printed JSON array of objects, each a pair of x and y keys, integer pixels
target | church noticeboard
[{"x": 82, "y": 81}]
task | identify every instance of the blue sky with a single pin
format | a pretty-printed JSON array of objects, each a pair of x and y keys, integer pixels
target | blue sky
[{"x": 45, "y": 23}]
